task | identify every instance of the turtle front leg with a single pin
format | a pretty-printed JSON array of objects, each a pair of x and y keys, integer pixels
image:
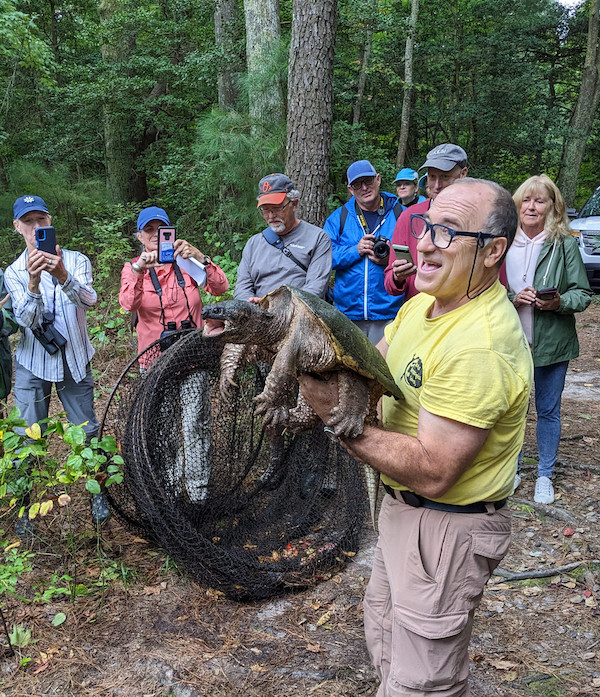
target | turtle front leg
[
  {"x": 232, "y": 357},
  {"x": 348, "y": 417},
  {"x": 278, "y": 395}
]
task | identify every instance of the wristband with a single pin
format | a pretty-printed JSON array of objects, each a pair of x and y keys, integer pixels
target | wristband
[{"x": 136, "y": 268}]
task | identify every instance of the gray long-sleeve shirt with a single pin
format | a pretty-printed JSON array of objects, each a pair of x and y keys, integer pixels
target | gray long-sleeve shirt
[{"x": 264, "y": 268}]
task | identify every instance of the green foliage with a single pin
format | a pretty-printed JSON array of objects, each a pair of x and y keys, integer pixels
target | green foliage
[
  {"x": 27, "y": 465},
  {"x": 15, "y": 564}
]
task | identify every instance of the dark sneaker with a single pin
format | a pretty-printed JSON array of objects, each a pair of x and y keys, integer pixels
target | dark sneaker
[
  {"x": 24, "y": 527},
  {"x": 100, "y": 509}
]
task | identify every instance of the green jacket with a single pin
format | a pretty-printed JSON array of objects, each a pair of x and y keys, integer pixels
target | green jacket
[
  {"x": 8, "y": 326},
  {"x": 554, "y": 333}
]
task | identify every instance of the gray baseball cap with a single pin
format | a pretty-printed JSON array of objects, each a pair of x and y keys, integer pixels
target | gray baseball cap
[{"x": 445, "y": 157}]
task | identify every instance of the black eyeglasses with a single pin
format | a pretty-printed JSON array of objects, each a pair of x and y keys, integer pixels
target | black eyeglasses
[
  {"x": 366, "y": 181},
  {"x": 442, "y": 235}
]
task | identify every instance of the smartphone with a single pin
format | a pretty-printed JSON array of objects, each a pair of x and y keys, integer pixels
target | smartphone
[
  {"x": 45, "y": 239},
  {"x": 402, "y": 252},
  {"x": 166, "y": 249},
  {"x": 546, "y": 293}
]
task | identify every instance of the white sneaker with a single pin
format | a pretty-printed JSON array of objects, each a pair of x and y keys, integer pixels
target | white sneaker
[
  {"x": 544, "y": 491},
  {"x": 517, "y": 483}
]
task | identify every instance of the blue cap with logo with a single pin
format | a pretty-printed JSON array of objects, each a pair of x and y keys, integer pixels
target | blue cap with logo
[
  {"x": 152, "y": 213},
  {"x": 361, "y": 168},
  {"x": 26, "y": 204},
  {"x": 406, "y": 175}
]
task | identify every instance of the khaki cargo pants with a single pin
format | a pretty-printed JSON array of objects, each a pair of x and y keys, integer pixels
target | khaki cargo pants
[{"x": 429, "y": 572}]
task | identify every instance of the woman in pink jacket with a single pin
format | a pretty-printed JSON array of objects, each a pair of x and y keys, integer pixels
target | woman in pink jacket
[{"x": 163, "y": 294}]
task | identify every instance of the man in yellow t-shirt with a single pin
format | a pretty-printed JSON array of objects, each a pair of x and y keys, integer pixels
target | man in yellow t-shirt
[{"x": 448, "y": 451}]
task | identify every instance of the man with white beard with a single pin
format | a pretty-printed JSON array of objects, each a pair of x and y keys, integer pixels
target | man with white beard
[{"x": 289, "y": 251}]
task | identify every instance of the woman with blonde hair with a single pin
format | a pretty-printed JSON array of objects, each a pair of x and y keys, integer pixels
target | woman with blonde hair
[{"x": 548, "y": 285}]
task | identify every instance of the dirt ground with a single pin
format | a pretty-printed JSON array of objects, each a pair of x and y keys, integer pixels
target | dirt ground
[{"x": 142, "y": 629}]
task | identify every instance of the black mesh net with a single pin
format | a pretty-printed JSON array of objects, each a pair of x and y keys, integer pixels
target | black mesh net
[{"x": 244, "y": 510}]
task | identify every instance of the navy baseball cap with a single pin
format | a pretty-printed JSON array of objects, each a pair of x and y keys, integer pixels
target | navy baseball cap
[
  {"x": 406, "y": 175},
  {"x": 26, "y": 204},
  {"x": 152, "y": 213},
  {"x": 361, "y": 168}
]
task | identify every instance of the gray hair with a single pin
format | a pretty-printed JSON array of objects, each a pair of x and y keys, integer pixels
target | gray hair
[
  {"x": 503, "y": 219},
  {"x": 293, "y": 195}
]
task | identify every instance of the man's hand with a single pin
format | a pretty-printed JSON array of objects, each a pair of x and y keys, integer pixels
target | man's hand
[
  {"x": 402, "y": 269},
  {"x": 365, "y": 245},
  {"x": 4, "y": 300},
  {"x": 56, "y": 267},
  {"x": 322, "y": 395},
  {"x": 254, "y": 300},
  {"x": 36, "y": 263}
]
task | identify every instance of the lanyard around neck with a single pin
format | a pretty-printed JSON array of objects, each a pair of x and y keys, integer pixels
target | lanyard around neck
[{"x": 363, "y": 222}]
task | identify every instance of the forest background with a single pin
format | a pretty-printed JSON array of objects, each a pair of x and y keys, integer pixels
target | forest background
[{"x": 108, "y": 105}]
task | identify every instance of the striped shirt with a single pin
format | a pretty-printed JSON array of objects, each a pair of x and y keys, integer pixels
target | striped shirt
[{"x": 69, "y": 304}]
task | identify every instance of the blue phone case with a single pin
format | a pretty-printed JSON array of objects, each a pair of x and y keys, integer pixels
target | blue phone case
[{"x": 45, "y": 239}]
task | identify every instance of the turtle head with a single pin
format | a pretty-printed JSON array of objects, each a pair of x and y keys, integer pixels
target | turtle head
[{"x": 235, "y": 321}]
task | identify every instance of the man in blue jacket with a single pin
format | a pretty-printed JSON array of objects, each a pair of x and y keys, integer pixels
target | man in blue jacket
[{"x": 360, "y": 233}]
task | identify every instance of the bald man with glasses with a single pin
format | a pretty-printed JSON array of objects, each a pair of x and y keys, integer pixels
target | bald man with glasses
[{"x": 447, "y": 453}]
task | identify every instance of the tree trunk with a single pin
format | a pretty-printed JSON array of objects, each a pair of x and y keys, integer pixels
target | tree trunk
[
  {"x": 584, "y": 112},
  {"x": 265, "y": 94},
  {"x": 118, "y": 153},
  {"x": 408, "y": 84},
  {"x": 310, "y": 104},
  {"x": 364, "y": 66},
  {"x": 226, "y": 24}
]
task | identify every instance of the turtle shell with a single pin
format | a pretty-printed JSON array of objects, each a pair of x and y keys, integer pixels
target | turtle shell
[{"x": 353, "y": 349}]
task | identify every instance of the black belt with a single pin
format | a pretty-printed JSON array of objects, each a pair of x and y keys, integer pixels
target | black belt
[{"x": 417, "y": 501}]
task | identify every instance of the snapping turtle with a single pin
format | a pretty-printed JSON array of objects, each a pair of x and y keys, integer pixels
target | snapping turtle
[{"x": 300, "y": 333}]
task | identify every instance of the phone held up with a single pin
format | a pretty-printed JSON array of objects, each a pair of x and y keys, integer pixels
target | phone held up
[
  {"x": 402, "y": 253},
  {"x": 546, "y": 293},
  {"x": 45, "y": 239},
  {"x": 166, "y": 248}
]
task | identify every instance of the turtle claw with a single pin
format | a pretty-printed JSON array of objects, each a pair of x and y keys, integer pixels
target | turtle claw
[{"x": 344, "y": 425}]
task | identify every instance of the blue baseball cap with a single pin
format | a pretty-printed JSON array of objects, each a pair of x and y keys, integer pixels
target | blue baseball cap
[
  {"x": 26, "y": 204},
  {"x": 361, "y": 168},
  {"x": 406, "y": 175},
  {"x": 152, "y": 213}
]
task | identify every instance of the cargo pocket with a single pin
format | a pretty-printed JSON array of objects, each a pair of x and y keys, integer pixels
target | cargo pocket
[
  {"x": 488, "y": 548},
  {"x": 430, "y": 652}
]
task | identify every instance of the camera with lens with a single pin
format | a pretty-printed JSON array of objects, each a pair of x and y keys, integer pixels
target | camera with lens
[
  {"x": 380, "y": 247},
  {"x": 48, "y": 336}
]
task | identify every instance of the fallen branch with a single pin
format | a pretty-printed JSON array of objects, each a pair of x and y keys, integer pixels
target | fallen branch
[
  {"x": 550, "y": 511},
  {"x": 541, "y": 573}
]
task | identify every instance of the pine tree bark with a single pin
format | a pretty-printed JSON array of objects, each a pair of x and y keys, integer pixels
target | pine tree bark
[
  {"x": 408, "y": 84},
  {"x": 584, "y": 111},
  {"x": 226, "y": 29},
  {"x": 118, "y": 152},
  {"x": 310, "y": 104},
  {"x": 265, "y": 94},
  {"x": 365, "y": 59}
]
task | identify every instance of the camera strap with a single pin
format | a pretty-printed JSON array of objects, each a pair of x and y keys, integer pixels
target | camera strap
[
  {"x": 397, "y": 209},
  {"x": 275, "y": 240},
  {"x": 158, "y": 290}
]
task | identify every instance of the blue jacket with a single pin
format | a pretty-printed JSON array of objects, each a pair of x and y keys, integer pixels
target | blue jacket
[{"x": 359, "y": 290}]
